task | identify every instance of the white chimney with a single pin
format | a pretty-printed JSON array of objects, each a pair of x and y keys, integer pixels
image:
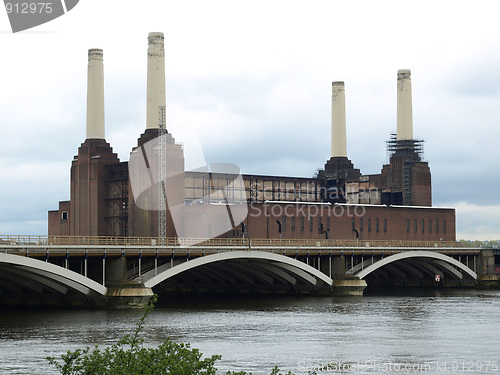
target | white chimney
[
  {"x": 156, "y": 78},
  {"x": 95, "y": 95},
  {"x": 339, "y": 148},
  {"x": 405, "y": 118}
]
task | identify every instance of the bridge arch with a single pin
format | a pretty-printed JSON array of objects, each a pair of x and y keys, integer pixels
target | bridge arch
[
  {"x": 249, "y": 268},
  {"x": 45, "y": 281},
  {"x": 418, "y": 261}
]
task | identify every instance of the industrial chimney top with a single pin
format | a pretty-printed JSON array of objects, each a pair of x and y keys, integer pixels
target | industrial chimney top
[
  {"x": 95, "y": 54},
  {"x": 155, "y": 35}
]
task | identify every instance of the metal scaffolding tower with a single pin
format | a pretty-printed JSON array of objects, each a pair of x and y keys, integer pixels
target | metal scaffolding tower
[
  {"x": 407, "y": 183},
  {"x": 162, "y": 175},
  {"x": 411, "y": 149}
]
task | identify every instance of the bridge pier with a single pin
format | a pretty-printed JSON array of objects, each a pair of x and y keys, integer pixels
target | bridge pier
[
  {"x": 348, "y": 286},
  {"x": 343, "y": 284},
  {"x": 128, "y": 294},
  {"x": 115, "y": 270},
  {"x": 120, "y": 291},
  {"x": 487, "y": 276}
]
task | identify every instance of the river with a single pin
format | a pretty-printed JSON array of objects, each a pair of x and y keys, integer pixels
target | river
[{"x": 435, "y": 331}]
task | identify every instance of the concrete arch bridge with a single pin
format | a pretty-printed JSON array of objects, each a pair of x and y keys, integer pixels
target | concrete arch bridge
[
  {"x": 95, "y": 271},
  {"x": 414, "y": 268}
]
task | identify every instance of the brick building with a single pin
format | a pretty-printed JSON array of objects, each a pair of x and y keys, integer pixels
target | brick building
[{"x": 338, "y": 203}]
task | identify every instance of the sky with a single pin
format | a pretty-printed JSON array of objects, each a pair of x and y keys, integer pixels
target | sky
[{"x": 252, "y": 80}]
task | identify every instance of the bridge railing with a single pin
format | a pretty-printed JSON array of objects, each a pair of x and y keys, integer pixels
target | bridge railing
[{"x": 25, "y": 240}]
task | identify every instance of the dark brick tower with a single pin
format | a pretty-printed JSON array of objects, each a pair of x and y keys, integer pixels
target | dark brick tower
[
  {"x": 89, "y": 189},
  {"x": 143, "y": 202},
  {"x": 406, "y": 180},
  {"x": 89, "y": 169}
]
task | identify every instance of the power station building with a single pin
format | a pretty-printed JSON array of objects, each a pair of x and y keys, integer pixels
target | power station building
[{"x": 114, "y": 198}]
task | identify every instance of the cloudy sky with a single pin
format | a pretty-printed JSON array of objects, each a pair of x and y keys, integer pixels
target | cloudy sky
[{"x": 253, "y": 80}]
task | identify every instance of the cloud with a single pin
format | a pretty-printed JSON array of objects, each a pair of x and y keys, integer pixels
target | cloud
[
  {"x": 476, "y": 222},
  {"x": 27, "y": 191}
]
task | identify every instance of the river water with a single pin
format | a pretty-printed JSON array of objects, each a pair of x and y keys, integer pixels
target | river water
[{"x": 435, "y": 332}]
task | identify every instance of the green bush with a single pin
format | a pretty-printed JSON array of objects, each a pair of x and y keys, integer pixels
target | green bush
[{"x": 129, "y": 356}]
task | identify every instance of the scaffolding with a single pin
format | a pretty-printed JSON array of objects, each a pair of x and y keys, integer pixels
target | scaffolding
[
  {"x": 407, "y": 183},
  {"x": 208, "y": 188},
  {"x": 274, "y": 188},
  {"x": 410, "y": 149},
  {"x": 118, "y": 198}
]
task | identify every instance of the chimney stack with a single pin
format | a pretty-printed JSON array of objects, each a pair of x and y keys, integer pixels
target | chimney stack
[
  {"x": 405, "y": 120},
  {"x": 95, "y": 95},
  {"x": 156, "y": 78},
  {"x": 339, "y": 148}
]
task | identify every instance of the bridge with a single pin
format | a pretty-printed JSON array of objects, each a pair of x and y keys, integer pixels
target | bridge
[{"x": 94, "y": 271}]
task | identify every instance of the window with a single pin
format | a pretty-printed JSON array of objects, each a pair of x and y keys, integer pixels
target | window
[
  {"x": 302, "y": 223},
  {"x": 385, "y": 225},
  {"x": 423, "y": 226},
  {"x": 293, "y": 223},
  {"x": 310, "y": 224},
  {"x": 327, "y": 224},
  {"x": 430, "y": 226},
  {"x": 437, "y": 226},
  {"x": 64, "y": 215},
  {"x": 360, "y": 224},
  {"x": 444, "y": 226},
  {"x": 415, "y": 222},
  {"x": 353, "y": 224},
  {"x": 408, "y": 226},
  {"x": 283, "y": 229},
  {"x": 376, "y": 225},
  {"x": 369, "y": 225}
]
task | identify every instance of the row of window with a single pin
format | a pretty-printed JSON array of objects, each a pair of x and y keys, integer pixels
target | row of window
[
  {"x": 321, "y": 226},
  {"x": 422, "y": 226},
  {"x": 369, "y": 225},
  {"x": 364, "y": 225}
]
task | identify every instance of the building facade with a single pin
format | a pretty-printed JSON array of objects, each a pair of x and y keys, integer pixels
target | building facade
[{"x": 339, "y": 202}]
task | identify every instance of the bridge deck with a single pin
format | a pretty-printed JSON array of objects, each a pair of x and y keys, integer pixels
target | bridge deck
[{"x": 130, "y": 246}]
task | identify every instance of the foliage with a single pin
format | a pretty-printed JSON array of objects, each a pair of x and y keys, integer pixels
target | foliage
[
  {"x": 476, "y": 243},
  {"x": 129, "y": 356}
]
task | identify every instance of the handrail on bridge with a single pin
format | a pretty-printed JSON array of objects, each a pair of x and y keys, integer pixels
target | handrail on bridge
[{"x": 27, "y": 240}]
